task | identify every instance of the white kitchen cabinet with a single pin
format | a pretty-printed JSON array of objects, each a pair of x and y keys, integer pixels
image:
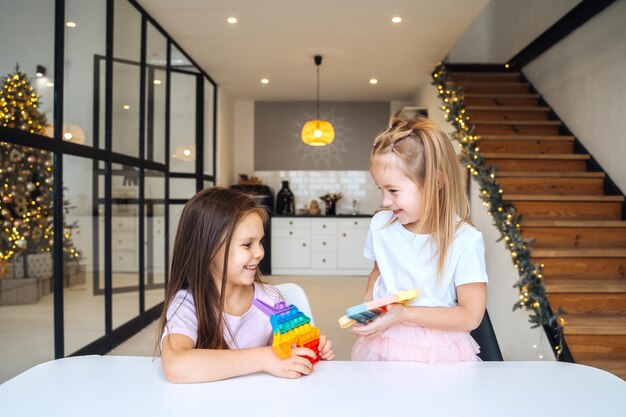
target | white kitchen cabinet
[
  {"x": 319, "y": 246},
  {"x": 351, "y": 242},
  {"x": 291, "y": 244}
]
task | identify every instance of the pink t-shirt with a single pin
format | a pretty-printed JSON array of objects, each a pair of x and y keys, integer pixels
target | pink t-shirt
[{"x": 252, "y": 329}]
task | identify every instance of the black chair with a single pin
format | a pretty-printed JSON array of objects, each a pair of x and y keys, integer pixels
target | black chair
[{"x": 486, "y": 339}]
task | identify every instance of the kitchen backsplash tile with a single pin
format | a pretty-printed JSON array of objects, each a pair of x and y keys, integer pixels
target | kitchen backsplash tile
[{"x": 309, "y": 185}]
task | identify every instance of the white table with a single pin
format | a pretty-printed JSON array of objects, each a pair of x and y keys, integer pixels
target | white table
[{"x": 135, "y": 386}]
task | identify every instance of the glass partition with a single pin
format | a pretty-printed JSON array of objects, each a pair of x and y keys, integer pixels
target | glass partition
[
  {"x": 83, "y": 308},
  {"x": 156, "y": 87},
  {"x": 154, "y": 241},
  {"x": 183, "y": 122},
  {"x": 209, "y": 125}
]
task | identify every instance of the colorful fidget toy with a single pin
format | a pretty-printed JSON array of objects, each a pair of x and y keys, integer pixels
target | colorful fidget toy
[
  {"x": 366, "y": 312},
  {"x": 290, "y": 327}
]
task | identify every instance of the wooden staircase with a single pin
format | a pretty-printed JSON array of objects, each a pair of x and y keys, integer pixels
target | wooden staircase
[{"x": 579, "y": 229}]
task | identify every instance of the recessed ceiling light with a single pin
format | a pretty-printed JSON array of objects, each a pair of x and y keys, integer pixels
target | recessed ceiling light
[
  {"x": 70, "y": 24},
  {"x": 265, "y": 81},
  {"x": 126, "y": 107},
  {"x": 49, "y": 84},
  {"x": 157, "y": 82},
  {"x": 232, "y": 20},
  {"x": 396, "y": 19},
  {"x": 373, "y": 81}
]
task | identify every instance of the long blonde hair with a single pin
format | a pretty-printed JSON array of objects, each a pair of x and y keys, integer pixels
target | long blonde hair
[{"x": 428, "y": 158}]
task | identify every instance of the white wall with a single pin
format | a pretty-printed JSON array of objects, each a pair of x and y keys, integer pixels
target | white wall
[
  {"x": 505, "y": 27},
  {"x": 243, "y": 162},
  {"x": 583, "y": 79},
  {"x": 225, "y": 139}
]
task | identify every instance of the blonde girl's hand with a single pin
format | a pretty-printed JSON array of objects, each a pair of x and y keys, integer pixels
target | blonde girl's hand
[
  {"x": 326, "y": 348},
  {"x": 380, "y": 323},
  {"x": 292, "y": 367}
]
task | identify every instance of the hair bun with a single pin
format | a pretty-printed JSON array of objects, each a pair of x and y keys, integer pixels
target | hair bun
[{"x": 395, "y": 123}]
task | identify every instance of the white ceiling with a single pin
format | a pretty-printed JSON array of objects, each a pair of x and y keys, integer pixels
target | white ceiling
[{"x": 277, "y": 39}]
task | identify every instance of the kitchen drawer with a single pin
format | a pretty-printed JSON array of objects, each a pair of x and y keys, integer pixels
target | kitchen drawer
[
  {"x": 324, "y": 243},
  {"x": 279, "y": 232},
  {"x": 124, "y": 260},
  {"x": 121, "y": 241},
  {"x": 324, "y": 260},
  {"x": 324, "y": 226},
  {"x": 356, "y": 223},
  {"x": 124, "y": 223},
  {"x": 290, "y": 222}
]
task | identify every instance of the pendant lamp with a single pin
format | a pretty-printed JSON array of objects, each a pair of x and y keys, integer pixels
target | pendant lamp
[{"x": 318, "y": 132}]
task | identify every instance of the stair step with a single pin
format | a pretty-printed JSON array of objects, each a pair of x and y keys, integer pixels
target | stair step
[
  {"x": 518, "y": 122},
  {"x": 589, "y": 303},
  {"x": 539, "y": 109},
  {"x": 525, "y": 127},
  {"x": 503, "y": 87},
  {"x": 550, "y": 174},
  {"x": 536, "y": 162},
  {"x": 509, "y": 113},
  {"x": 525, "y": 100},
  {"x": 570, "y": 197},
  {"x": 574, "y": 223},
  {"x": 614, "y": 363},
  {"x": 585, "y": 285},
  {"x": 608, "y": 324},
  {"x": 543, "y": 138},
  {"x": 461, "y": 77},
  {"x": 561, "y": 185},
  {"x": 592, "y": 268},
  {"x": 572, "y": 157},
  {"x": 608, "y": 252},
  {"x": 535, "y": 146},
  {"x": 567, "y": 207},
  {"x": 575, "y": 234},
  {"x": 581, "y": 344}
]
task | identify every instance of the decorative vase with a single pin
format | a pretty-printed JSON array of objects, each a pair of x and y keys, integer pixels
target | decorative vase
[
  {"x": 331, "y": 207},
  {"x": 284, "y": 201}
]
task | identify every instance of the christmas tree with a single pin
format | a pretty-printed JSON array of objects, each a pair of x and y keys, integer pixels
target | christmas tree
[{"x": 26, "y": 181}]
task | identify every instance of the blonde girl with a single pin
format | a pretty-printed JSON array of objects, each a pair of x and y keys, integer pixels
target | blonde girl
[{"x": 425, "y": 240}]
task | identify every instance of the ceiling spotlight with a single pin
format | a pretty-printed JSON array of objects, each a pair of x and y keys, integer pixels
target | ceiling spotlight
[
  {"x": 396, "y": 19},
  {"x": 232, "y": 20},
  {"x": 126, "y": 107},
  {"x": 373, "y": 81},
  {"x": 49, "y": 84},
  {"x": 41, "y": 71},
  {"x": 157, "y": 82},
  {"x": 265, "y": 81},
  {"x": 70, "y": 24}
]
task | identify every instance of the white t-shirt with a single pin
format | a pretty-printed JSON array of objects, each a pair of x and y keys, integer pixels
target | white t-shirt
[
  {"x": 405, "y": 260},
  {"x": 252, "y": 329}
]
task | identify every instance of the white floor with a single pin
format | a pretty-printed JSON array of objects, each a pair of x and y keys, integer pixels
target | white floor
[{"x": 27, "y": 330}]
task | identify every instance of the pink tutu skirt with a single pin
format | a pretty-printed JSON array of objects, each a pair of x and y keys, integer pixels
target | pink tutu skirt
[{"x": 406, "y": 342}]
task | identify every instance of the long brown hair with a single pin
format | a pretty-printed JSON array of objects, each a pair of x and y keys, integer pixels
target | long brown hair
[
  {"x": 207, "y": 222},
  {"x": 428, "y": 158}
]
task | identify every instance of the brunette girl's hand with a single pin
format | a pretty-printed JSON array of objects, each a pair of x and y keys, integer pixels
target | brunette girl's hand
[
  {"x": 325, "y": 349},
  {"x": 380, "y": 323},
  {"x": 293, "y": 367}
]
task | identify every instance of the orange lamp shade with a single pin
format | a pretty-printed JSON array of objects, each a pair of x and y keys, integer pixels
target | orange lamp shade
[{"x": 318, "y": 133}]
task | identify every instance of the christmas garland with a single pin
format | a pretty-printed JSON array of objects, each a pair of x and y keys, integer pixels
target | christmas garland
[{"x": 532, "y": 292}]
